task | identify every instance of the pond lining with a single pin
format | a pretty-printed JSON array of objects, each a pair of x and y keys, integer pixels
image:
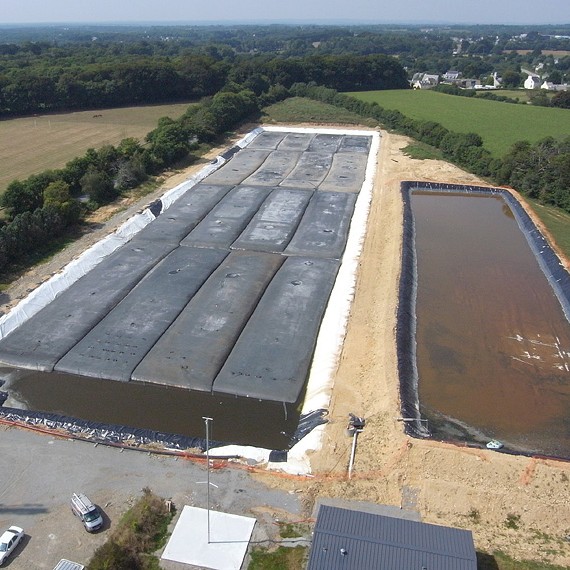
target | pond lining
[
  {"x": 333, "y": 326},
  {"x": 548, "y": 261}
]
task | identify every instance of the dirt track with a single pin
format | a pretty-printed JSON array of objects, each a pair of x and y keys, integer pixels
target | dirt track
[{"x": 476, "y": 489}]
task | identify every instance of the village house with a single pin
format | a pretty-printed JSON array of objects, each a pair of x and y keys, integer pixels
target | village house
[
  {"x": 532, "y": 82},
  {"x": 549, "y": 86},
  {"x": 424, "y": 80}
]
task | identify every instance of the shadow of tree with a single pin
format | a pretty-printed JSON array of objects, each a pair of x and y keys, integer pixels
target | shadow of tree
[{"x": 486, "y": 561}]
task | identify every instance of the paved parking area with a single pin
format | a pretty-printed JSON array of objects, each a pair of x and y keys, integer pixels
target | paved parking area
[{"x": 38, "y": 474}]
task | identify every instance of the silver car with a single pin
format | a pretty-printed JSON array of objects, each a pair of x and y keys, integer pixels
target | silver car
[{"x": 8, "y": 542}]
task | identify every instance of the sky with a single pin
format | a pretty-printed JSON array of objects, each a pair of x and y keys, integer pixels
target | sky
[{"x": 265, "y": 11}]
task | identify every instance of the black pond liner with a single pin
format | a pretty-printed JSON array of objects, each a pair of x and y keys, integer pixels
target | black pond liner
[
  {"x": 134, "y": 438},
  {"x": 231, "y": 152},
  {"x": 549, "y": 262}
]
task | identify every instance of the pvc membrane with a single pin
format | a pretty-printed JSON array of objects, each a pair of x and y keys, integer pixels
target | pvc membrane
[
  {"x": 192, "y": 351},
  {"x": 228, "y": 219},
  {"x": 271, "y": 358},
  {"x": 275, "y": 169},
  {"x": 121, "y": 340},
  {"x": 267, "y": 140},
  {"x": 239, "y": 167},
  {"x": 225, "y": 290},
  {"x": 42, "y": 340},
  {"x": 324, "y": 227},
  {"x": 275, "y": 223},
  {"x": 547, "y": 259},
  {"x": 184, "y": 214}
]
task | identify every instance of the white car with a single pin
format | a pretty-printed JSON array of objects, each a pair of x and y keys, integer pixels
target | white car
[{"x": 8, "y": 542}]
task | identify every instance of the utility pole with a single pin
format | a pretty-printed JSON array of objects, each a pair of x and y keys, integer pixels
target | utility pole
[{"x": 207, "y": 422}]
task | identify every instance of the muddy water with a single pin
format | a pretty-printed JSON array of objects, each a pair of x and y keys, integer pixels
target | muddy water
[
  {"x": 243, "y": 421},
  {"x": 493, "y": 345}
]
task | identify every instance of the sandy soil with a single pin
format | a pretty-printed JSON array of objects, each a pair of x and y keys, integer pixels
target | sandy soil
[{"x": 476, "y": 489}]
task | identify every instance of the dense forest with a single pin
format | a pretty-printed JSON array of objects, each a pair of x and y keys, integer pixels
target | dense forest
[
  {"x": 57, "y": 68},
  {"x": 234, "y": 73}
]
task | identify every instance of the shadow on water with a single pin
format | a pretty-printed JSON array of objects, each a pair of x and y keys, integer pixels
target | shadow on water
[{"x": 243, "y": 421}]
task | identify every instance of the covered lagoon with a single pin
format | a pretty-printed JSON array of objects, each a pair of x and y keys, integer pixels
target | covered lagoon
[{"x": 493, "y": 342}]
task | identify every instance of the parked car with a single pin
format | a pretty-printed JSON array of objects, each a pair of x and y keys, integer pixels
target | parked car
[
  {"x": 85, "y": 510},
  {"x": 8, "y": 542}
]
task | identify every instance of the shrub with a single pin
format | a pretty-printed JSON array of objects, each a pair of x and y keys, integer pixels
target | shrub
[{"x": 141, "y": 531}]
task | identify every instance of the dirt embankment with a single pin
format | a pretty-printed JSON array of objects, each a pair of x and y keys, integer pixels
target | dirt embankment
[
  {"x": 485, "y": 491},
  {"x": 488, "y": 492}
]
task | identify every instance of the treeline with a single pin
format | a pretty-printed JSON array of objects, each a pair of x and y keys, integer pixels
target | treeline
[
  {"x": 540, "y": 170},
  {"x": 66, "y": 85},
  {"x": 539, "y": 97},
  {"x": 47, "y": 205}
]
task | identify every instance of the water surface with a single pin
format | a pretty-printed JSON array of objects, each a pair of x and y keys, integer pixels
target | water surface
[{"x": 493, "y": 344}]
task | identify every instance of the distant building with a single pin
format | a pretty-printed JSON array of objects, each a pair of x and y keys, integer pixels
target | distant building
[
  {"x": 451, "y": 75},
  {"x": 532, "y": 82},
  {"x": 424, "y": 80},
  {"x": 549, "y": 86},
  {"x": 497, "y": 81},
  {"x": 469, "y": 83},
  {"x": 346, "y": 539}
]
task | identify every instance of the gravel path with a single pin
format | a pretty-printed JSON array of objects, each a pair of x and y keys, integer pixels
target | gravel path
[{"x": 39, "y": 473}]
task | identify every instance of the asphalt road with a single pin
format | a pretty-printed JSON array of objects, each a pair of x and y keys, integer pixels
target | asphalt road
[{"x": 39, "y": 473}]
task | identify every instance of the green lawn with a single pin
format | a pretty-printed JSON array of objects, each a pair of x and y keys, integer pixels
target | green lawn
[
  {"x": 499, "y": 124},
  {"x": 300, "y": 110}
]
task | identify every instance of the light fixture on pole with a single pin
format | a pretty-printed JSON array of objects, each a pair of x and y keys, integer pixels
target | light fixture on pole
[{"x": 207, "y": 422}]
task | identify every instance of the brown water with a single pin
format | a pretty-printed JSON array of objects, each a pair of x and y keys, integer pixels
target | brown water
[
  {"x": 493, "y": 345},
  {"x": 244, "y": 421}
]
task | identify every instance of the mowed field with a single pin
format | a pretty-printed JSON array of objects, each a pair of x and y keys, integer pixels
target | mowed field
[
  {"x": 499, "y": 124},
  {"x": 33, "y": 144}
]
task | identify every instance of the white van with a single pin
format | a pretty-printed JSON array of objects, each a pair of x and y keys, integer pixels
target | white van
[{"x": 87, "y": 512}]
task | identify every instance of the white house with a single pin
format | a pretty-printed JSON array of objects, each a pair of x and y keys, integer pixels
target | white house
[
  {"x": 549, "y": 86},
  {"x": 497, "y": 81},
  {"x": 532, "y": 82},
  {"x": 424, "y": 81}
]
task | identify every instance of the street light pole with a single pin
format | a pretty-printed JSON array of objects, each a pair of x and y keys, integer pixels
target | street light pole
[{"x": 207, "y": 422}]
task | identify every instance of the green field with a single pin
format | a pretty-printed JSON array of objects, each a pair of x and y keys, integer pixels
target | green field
[
  {"x": 300, "y": 110},
  {"x": 499, "y": 124},
  {"x": 32, "y": 145}
]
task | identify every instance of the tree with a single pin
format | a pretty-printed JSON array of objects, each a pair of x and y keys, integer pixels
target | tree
[
  {"x": 170, "y": 141},
  {"x": 512, "y": 78},
  {"x": 58, "y": 196},
  {"x": 561, "y": 100},
  {"x": 98, "y": 186}
]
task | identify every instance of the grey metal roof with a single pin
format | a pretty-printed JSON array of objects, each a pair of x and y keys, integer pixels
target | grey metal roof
[{"x": 353, "y": 540}]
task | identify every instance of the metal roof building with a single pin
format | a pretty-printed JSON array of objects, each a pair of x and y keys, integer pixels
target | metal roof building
[{"x": 354, "y": 540}]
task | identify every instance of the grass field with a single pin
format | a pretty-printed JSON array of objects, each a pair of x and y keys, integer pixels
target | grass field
[
  {"x": 499, "y": 124},
  {"x": 33, "y": 144},
  {"x": 299, "y": 110}
]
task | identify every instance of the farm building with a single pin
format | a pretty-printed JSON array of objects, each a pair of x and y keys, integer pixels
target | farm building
[{"x": 353, "y": 540}]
